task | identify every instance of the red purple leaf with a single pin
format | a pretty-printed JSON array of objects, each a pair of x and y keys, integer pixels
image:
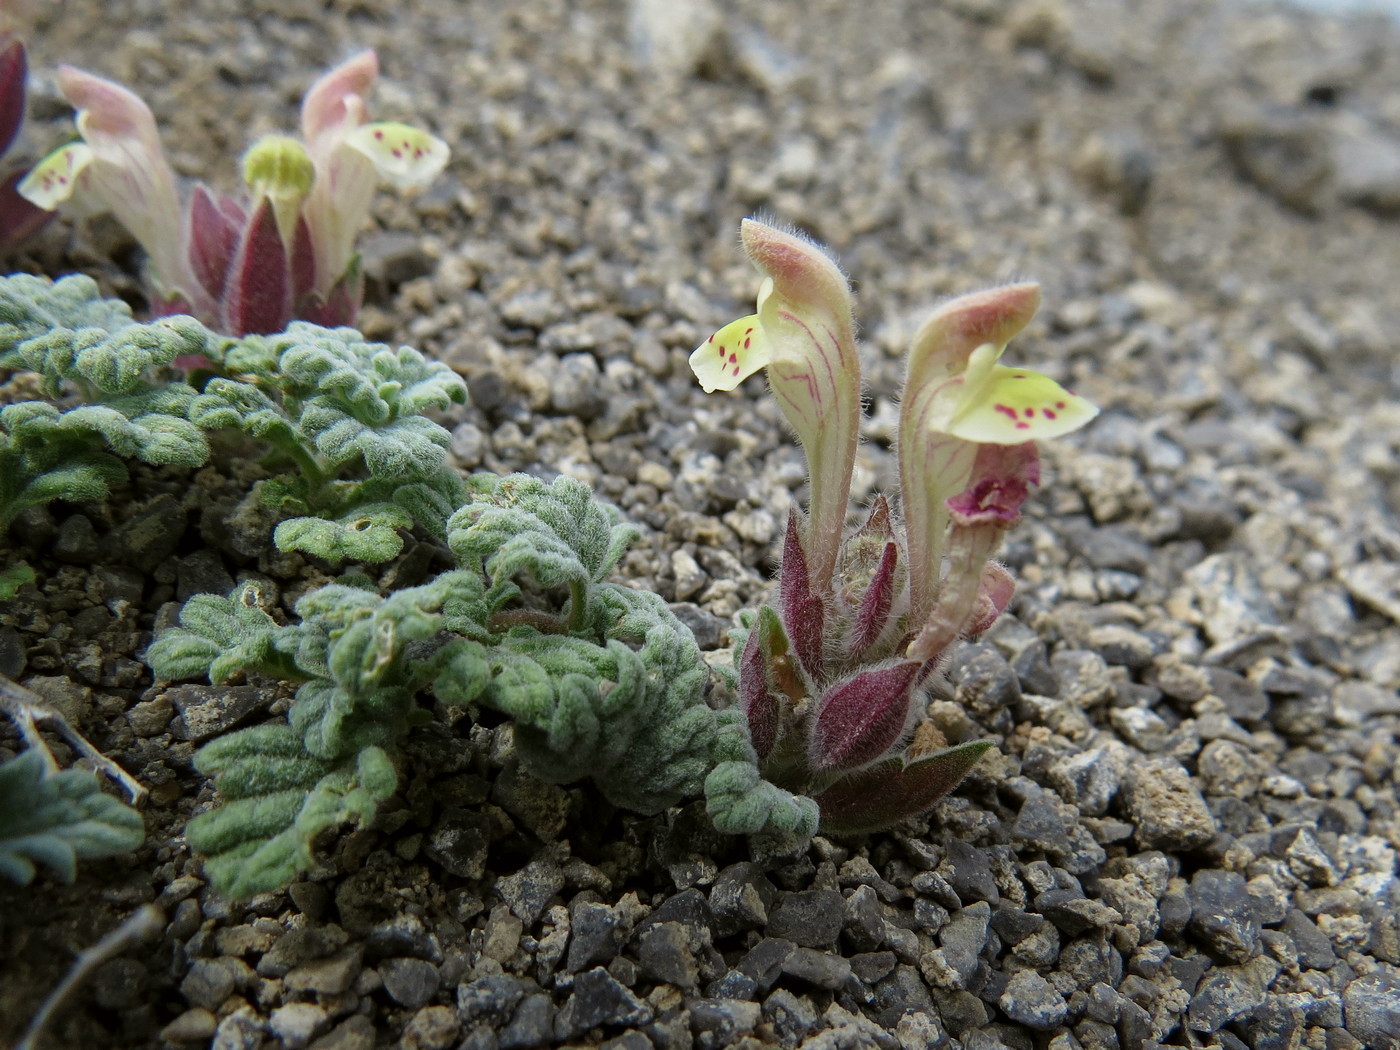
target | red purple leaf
[
  {"x": 13, "y": 70},
  {"x": 803, "y": 613},
  {"x": 213, "y": 239},
  {"x": 756, "y": 698},
  {"x": 861, "y": 718},
  {"x": 885, "y": 794},
  {"x": 257, "y": 297},
  {"x": 341, "y": 305},
  {"x": 303, "y": 265},
  {"x": 874, "y": 613},
  {"x": 19, "y": 219}
]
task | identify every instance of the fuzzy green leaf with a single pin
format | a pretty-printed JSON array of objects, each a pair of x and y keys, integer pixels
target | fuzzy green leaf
[
  {"x": 31, "y": 306},
  {"x": 279, "y": 800},
  {"x": 118, "y": 362},
  {"x": 57, "y": 819},
  {"x": 368, "y": 533},
  {"x": 633, "y": 720},
  {"x": 554, "y": 531},
  {"x": 151, "y": 437},
  {"x": 228, "y": 404},
  {"x": 218, "y": 637}
]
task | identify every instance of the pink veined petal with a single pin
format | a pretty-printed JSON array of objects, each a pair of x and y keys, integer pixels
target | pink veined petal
[
  {"x": 326, "y": 112},
  {"x": 129, "y": 173}
]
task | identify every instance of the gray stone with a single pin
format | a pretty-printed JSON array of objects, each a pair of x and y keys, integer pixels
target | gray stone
[
  {"x": 1089, "y": 780},
  {"x": 665, "y": 956},
  {"x": 720, "y": 1022},
  {"x": 409, "y": 982},
  {"x": 296, "y": 1024},
  {"x": 1284, "y": 152},
  {"x": 329, "y": 976},
  {"x": 1033, "y": 670},
  {"x": 628, "y": 1040},
  {"x": 240, "y": 1030},
  {"x": 574, "y": 389},
  {"x": 460, "y": 841},
  {"x": 764, "y": 961},
  {"x": 1167, "y": 807},
  {"x": 300, "y": 945},
  {"x": 532, "y": 1025},
  {"x": 202, "y": 572},
  {"x": 740, "y": 898},
  {"x": 811, "y": 918},
  {"x": 1039, "y": 824},
  {"x": 1074, "y": 913},
  {"x": 1223, "y": 915},
  {"x": 963, "y": 939},
  {"x": 598, "y": 999},
  {"x": 791, "y": 1017},
  {"x": 968, "y": 872},
  {"x": 733, "y": 985},
  {"x": 528, "y": 890},
  {"x": 985, "y": 682},
  {"x": 1314, "y": 947},
  {"x": 1230, "y": 993},
  {"x": 594, "y": 935},
  {"x": 491, "y": 999},
  {"x": 76, "y": 541},
  {"x": 195, "y": 1025},
  {"x": 1366, "y": 162},
  {"x": 150, "y": 534},
  {"x": 1031, "y": 1000},
  {"x": 864, "y": 919},
  {"x": 211, "y": 981},
  {"x": 354, "y": 1033},
  {"x": 404, "y": 935},
  {"x": 1373, "y": 1009},
  {"x": 900, "y": 992},
  {"x": 207, "y": 711},
  {"x": 823, "y": 969}
]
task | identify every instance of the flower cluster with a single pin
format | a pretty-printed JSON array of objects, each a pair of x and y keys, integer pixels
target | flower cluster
[
  {"x": 832, "y": 681},
  {"x": 286, "y": 250}
]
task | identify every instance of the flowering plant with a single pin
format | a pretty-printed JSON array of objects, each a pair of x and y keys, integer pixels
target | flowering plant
[
  {"x": 832, "y": 679},
  {"x": 286, "y": 250}
]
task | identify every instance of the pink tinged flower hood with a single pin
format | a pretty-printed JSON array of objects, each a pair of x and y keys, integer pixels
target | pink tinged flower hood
[
  {"x": 804, "y": 336},
  {"x": 351, "y": 158},
  {"x": 123, "y": 170}
]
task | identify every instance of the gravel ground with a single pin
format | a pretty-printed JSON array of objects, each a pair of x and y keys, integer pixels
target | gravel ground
[{"x": 1188, "y": 833}]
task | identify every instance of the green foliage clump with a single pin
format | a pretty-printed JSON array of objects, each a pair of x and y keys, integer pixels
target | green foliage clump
[
  {"x": 345, "y": 415},
  {"x": 75, "y": 340},
  {"x": 602, "y": 682},
  {"x": 57, "y": 818}
]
